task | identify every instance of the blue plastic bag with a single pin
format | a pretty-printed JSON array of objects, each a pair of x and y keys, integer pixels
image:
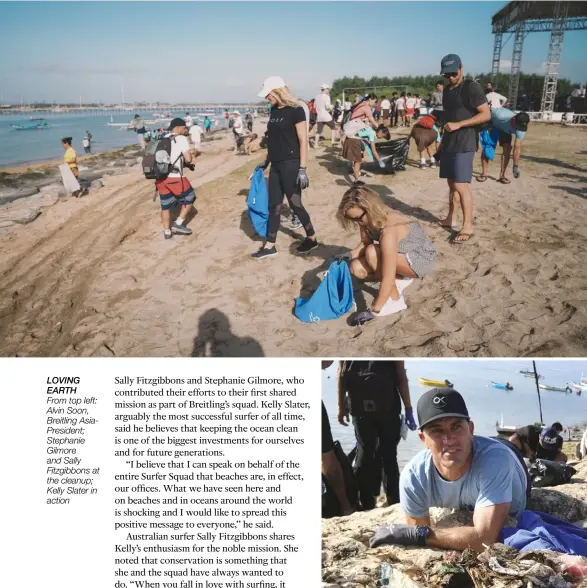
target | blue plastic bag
[
  {"x": 488, "y": 139},
  {"x": 258, "y": 203},
  {"x": 332, "y": 298}
]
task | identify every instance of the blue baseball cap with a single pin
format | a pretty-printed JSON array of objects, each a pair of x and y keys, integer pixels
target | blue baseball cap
[{"x": 450, "y": 63}]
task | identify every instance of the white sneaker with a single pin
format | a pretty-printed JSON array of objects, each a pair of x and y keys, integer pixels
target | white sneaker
[
  {"x": 392, "y": 306},
  {"x": 402, "y": 284}
]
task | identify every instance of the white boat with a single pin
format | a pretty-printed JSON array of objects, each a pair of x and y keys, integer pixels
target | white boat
[
  {"x": 554, "y": 388},
  {"x": 504, "y": 429},
  {"x": 580, "y": 386}
]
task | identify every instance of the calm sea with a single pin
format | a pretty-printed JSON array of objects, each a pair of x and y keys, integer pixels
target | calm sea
[
  {"x": 485, "y": 404},
  {"x": 20, "y": 147}
]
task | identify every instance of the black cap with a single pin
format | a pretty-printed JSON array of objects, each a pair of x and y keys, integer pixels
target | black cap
[
  {"x": 439, "y": 403},
  {"x": 522, "y": 120},
  {"x": 176, "y": 122},
  {"x": 450, "y": 63}
]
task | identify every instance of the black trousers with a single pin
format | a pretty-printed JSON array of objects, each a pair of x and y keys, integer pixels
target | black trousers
[
  {"x": 283, "y": 180},
  {"x": 378, "y": 435},
  {"x": 394, "y": 116}
]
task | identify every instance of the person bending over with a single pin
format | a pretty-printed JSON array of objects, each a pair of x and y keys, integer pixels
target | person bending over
[
  {"x": 392, "y": 249},
  {"x": 507, "y": 123},
  {"x": 456, "y": 470},
  {"x": 545, "y": 444}
]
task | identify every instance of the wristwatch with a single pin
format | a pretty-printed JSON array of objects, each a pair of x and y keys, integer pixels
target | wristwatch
[{"x": 423, "y": 532}]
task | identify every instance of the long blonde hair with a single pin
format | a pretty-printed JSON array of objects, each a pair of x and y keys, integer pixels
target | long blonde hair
[
  {"x": 286, "y": 97},
  {"x": 369, "y": 201}
]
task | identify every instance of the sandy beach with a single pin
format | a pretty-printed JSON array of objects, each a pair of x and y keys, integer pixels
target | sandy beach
[{"x": 94, "y": 277}]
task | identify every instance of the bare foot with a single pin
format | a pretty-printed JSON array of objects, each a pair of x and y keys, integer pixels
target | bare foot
[{"x": 464, "y": 234}]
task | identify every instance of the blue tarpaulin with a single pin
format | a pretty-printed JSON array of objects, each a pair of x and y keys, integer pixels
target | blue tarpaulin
[
  {"x": 332, "y": 298},
  {"x": 258, "y": 203},
  {"x": 538, "y": 530}
]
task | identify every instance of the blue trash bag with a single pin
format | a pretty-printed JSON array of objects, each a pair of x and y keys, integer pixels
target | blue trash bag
[
  {"x": 488, "y": 139},
  {"x": 332, "y": 298},
  {"x": 258, "y": 203}
]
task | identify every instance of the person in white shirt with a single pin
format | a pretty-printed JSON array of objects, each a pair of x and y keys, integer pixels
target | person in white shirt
[
  {"x": 238, "y": 129},
  {"x": 188, "y": 120},
  {"x": 196, "y": 135},
  {"x": 400, "y": 107},
  {"x": 323, "y": 108},
  {"x": 410, "y": 107},
  {"x": 495, "y": 100},
  {"x": 385, "y": 109}
]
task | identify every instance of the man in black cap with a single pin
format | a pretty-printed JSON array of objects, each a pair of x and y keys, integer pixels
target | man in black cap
[
  {"x": 545, "y": 444},
  {"x": 457, "y": 470},
  {"x": 176, "y": 189},
  {"x": 465, "y": 107},
  {"x": 508, "y": 123}
]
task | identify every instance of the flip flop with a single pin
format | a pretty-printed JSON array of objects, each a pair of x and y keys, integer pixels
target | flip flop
[
  {"x": 461, "y": 241},
  {"x": 504, "y": 181},
  {"x": 481, "y": 178}
]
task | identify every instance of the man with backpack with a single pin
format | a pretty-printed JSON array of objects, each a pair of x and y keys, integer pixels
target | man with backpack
[
  {"x": 465, "y": 110},
  {"x": 174, "y": 188}
]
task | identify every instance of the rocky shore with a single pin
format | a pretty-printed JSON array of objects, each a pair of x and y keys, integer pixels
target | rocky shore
[
  {"x": 349, "y": 562},
  {"x": 26, "y": 191}
]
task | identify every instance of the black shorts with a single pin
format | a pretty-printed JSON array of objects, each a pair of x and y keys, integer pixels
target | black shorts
[
  {"x": 283, "y": 179},
  {"x": 329, "y": 124},
  {"x": 327, "y": 441},
  {"x": 505, "y": 138}
]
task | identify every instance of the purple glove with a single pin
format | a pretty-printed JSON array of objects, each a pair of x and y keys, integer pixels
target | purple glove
[{"x": 410, "y": 419}]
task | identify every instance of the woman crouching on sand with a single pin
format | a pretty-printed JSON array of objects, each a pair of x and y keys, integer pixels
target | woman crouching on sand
[
  {"x": 70, "y": 157},
  {"x": 392, "y": 250}
]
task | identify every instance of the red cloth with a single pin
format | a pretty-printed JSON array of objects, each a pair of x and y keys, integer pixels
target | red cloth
[{"x": 175, "y": 186}]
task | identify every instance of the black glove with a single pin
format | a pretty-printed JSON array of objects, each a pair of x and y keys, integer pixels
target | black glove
[
  {"x": 190, "y": 166},
  {"x": 303, "y": 180},
  {"x": 263, "y": 165},
  {"x": 363, "y": 317},
  {"x": 396, "y": 535}
]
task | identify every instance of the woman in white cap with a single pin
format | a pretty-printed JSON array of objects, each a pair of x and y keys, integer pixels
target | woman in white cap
[
  {"x": 287, "y": 152},
  {"x": 238, "y": 128}
]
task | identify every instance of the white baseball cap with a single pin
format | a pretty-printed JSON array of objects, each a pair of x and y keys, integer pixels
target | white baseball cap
[
  {"x": 271, "y": 83},
  {"x": 325, "y": 87},
  {"x": 236, "y": 112}
]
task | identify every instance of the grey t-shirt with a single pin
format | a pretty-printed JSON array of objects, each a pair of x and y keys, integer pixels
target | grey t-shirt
[
  {"x": 459, "y": 104},
  {"x": 495, "y": 476},
  {"x": 436, "y": 101}
]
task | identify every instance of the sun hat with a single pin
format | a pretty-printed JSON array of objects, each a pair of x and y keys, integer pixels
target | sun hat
[
  {"x": 271, "y": 83},
  {"x": 439, "y": 403},
  {"x": 325, "y": 87}
]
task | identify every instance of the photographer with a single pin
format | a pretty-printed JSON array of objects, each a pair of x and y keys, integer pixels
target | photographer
[{"x": 176, "y": 189}]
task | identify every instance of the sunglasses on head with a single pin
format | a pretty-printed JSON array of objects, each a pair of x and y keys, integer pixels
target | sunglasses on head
[{"x": 357, "y": 219}]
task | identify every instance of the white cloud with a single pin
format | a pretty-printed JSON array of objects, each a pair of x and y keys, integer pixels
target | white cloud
[{"x": 505, "y": 65}]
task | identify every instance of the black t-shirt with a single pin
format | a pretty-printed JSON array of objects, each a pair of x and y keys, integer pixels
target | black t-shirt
[
  {"x": 282, "y": 138},
  {"x": 459, "y": 104},
  {"x": 371, "y": 386},
  {"x": 529, "y": 436}
]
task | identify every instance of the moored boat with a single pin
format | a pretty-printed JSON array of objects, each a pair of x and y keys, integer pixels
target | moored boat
[
  {"x": 435, "y": 383},
  {"x": 554, "y": 388}
]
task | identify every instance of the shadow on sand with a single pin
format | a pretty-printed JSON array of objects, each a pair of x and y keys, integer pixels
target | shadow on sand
[{"x": 215, "y": 338}]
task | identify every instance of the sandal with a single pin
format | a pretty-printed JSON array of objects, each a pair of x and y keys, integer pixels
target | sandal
[
  {"x": 457, "y": 241},
  {"x": 481, "y": 178},
  {"x": 504, "y": 181},
  {"x": 439, "y": 225}
]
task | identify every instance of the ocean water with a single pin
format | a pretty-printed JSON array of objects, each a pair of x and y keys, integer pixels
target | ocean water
[
  {"x": 20, "y": 147},
  {"x": 486, "y": 405}
]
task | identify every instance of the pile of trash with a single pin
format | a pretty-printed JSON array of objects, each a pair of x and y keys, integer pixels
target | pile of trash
[{"x": 499, "y": 566}]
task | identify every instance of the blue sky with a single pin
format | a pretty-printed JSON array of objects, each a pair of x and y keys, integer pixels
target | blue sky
[{"x": 214, "y": 51}]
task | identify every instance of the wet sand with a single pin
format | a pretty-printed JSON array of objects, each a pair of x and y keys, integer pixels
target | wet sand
[{"x": 94, "y": 277}]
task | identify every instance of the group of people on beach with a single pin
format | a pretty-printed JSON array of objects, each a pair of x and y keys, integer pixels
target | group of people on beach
[
  {"x": 392, "y": 250},
  {"x": 456, "y": 469}
]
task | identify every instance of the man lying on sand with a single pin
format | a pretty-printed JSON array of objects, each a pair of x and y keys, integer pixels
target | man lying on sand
[
  {"x": 456, "y": 470},
  {"x": 392, "y": 250}
]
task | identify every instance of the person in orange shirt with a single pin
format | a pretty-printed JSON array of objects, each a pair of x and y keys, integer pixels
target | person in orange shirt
[{"x": 70, "y": 157}]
